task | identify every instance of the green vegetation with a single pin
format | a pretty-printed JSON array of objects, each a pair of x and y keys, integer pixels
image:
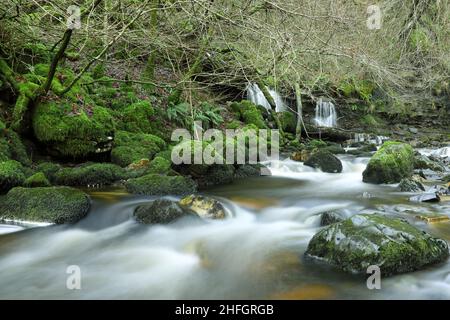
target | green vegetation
[
  {"x": 90, "y": 175},
  {"x": 392, "y": 162},
  {"x": 37, "y": 180},
  {"x": 11, "y": 175},
  {"x": 155, "y": 184},
  {"x": 131, "y": 147},
  {"x": 248, "y": 113},
  {"x": 53, "y": 205},
  {"x": 370, "y": 239}
]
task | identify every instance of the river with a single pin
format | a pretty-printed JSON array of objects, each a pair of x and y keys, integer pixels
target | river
[{"x": 256, "y": 254}]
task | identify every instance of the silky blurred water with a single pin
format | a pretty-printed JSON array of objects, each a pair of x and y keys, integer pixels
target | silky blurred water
[{"x": 256, "y": 254}]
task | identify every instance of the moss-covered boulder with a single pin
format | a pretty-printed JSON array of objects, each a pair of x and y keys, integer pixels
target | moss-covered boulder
[
  {"x": 158, "y": 165},
  {"x": 371, "y": 239},
  {"x": 155, "y": 184},
  {"x": 162, "y": 211},
  {"x": 74, "y": 129},
  {"x": 288, "y": 121},
  {"x": 52, "y": 205},
  {"x": 90, "y": 175},
  {"x": 11, "y": 175},
  {"x": 49, "y": 169},
  {"x": 249, "y": 113},
  {"x": 131, "y": 147},
  {"x": 391, "y": 163},
  {"x": 140, "y": 117},
  {"x": 205, "y": 207},
  {"x": 37, "y": 180},
  {"x": 325, "y": 161}
]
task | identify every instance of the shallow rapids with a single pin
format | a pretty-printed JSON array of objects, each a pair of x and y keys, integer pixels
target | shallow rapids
[{"x": 256, "y": 254}]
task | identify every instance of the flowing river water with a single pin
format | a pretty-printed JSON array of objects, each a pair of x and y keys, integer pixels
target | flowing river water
[{"x": 256, "y": 254}]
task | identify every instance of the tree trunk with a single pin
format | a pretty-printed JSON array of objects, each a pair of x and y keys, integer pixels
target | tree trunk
[{"x": 298, "y": 96}]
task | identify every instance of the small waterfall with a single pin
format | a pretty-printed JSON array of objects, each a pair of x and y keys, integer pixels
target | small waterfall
[
  {"x": 325, "y": 114},
  {"x": 255, "y": 95}
]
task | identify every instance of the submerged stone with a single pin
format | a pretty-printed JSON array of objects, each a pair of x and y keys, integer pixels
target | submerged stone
[
  {"x": 371, "y": 239},
  {"x": 426, "y": 197},
  {"x": 161, "y": 211},
  {"x": 205, "y": 207}
]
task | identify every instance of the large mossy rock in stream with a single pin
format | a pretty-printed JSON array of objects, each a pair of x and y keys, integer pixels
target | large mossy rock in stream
[
  {"x": 205, "y": 207},
  {"x": 371, "y": 239},
  {"x": 74, "y": 129},
  {"x": 155, "y": 184},
  {"x": 11, "y": 175},
  {"x": 325, "y": 161},
  {"x": 52, "y": 205},
  {"x": 162, "y": 211},
  {"x": 131, "y": 147},
  {"x": 391, "y": 163},
  {"x": 90, "y": 174},
  {"x": 249, "y": 113}
]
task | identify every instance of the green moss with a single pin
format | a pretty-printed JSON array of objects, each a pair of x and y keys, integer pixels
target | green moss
[
  {"x": 37, "y": 180},
  {"x": 419, "y": 39},
  {"x": 363, "y": 240},
  {"x": 249, "y": 113},
  {"x": 49, "y": 169},
  {"x": 288, "y": 121},
  {"x": 159, "y": 165},
  {"x": 140, "y": 117},
  {"x": 131, "y": 147},
  {"x": 90, "y": 174},
  {"x": 166, "y": 154},
  {"x": 154, "y": 184},
  {"x": 370, "y": 121},
  {"x": 316, "y": 144},
  {"x": 235, "y": 124},
  {"x": 53, "y": 205},
  {"x": 71, "y": 129},
  {"x": 37, "y": 51},
  {"x": 11, "y": 175},
  {"x": 392, "y": 162},
  {"x": 17, "y": 149},
  {"x": 362, "y": 89},
  {"x": 114, "y": 96}
]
